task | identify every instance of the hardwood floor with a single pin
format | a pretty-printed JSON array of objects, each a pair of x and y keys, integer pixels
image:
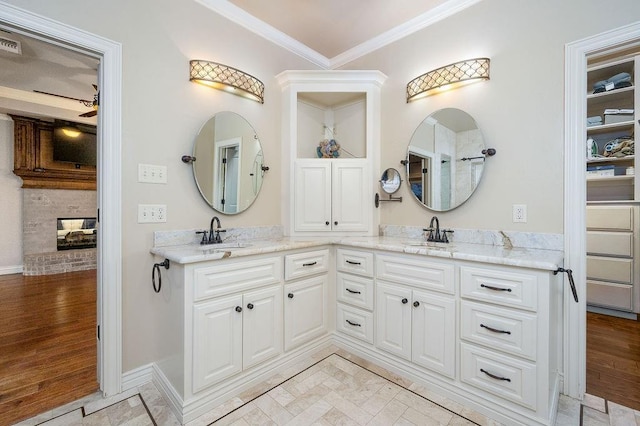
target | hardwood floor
[
  {"x": 613, "y": 359},
  {"x": 47, "y": 342}
]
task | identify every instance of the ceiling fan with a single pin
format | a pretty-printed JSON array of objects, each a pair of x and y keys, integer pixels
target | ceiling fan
[{"x": 93, "y": 104}]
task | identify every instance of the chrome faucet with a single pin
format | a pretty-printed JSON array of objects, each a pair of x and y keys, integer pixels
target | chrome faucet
[
  {"x": 434, "y": 233},
  {"x": 215, "y": 239}
]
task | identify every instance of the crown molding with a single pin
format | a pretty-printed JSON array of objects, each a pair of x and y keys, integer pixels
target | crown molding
[{"x": 253, "y": 24}]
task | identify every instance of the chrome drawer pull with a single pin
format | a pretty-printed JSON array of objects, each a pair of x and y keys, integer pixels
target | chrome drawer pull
[
  {"x": 355, "y": 324},
  {"x": 495, "y": 288},
  {"x": 352, "y": 291},
  {"x": 309, "y": 264},
  {"x": 493, "y": 376},
  {"x": 353, "y": 263},
  {"x": 495, "y": 330}
]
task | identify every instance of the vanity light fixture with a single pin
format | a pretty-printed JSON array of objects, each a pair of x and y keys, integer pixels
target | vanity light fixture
[
  {"x": 226, "y": 78},
  {"x": 448, "y": 77}
]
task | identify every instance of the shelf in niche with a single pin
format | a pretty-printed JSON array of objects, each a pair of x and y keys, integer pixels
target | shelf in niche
[
  {"x": 611, "y": 159},
  {"x": 611, "y": 93},
  {"x": 612, "y": 202},
  {"x": 619, "y": 178},
  {"x": 603, "y": 128}
]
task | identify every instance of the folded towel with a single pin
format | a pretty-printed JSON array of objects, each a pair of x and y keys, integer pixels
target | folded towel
[{"x": 617, "y": 81}]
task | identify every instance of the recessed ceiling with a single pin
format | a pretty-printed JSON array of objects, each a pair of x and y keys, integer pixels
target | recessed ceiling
[{"x": 331, "y": 33}]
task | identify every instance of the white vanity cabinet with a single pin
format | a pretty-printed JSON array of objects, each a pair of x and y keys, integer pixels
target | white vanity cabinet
[
  {"x": 306, "y": 297},
  {"x": 413, "y": 322},
  {"x": 329, "y": 195}
]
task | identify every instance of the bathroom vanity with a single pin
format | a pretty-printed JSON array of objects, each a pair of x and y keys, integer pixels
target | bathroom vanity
[{"x": 478, "y": 324}]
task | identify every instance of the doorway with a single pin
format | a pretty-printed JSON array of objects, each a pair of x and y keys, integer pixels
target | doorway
[
  {"x": 575, "y": 324},
  {"x": 109, "y": 262}
]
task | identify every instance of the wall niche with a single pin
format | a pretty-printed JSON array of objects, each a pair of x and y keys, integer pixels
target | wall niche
[{"x": 34, "y": 159}]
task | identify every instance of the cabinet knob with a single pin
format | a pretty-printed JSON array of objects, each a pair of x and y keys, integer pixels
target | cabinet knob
[
  {"x": 290, "y": 295},
  {"x": 238, "y": 309},
  {"x": 335, "y": 223},
  {"x": 327, "y": 223},
  {"x": 405, "y": 301},
  {"x": 416, "y": 304},
  {"x": 250, "y": 306}
]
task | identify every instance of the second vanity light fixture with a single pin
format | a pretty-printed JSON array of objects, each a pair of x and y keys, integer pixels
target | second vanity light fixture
[
  {"x": 448, "y": 77},
  {"x": 226, "y": 78}
]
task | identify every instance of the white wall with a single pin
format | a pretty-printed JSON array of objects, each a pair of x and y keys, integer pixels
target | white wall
[
  {"x": 11, "y": 198},
  {"x": 520, "y": 110}
]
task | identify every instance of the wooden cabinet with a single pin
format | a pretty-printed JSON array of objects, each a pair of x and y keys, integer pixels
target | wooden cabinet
[
  {"x": 333, "y": 194},
  {"x": 412, "y": 322},
  {"x": 34, "y": 161},
  {"x": 330, "y": 195},
  {"x": 306, "y": 301},
  {"x": 612, "y": 240}
]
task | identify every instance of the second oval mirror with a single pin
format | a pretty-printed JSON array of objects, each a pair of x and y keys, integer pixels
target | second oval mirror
[
  {"x": 228, "y": 167},
  {"x": 445, "y": 159}
]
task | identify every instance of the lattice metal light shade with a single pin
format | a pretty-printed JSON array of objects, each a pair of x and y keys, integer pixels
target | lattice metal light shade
[
  {"x": 448, "y": 77},
  {"x": 226, "y": 78}
]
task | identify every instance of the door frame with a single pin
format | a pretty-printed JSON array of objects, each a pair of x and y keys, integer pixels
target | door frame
[
  {"x": 575, "y": 199},
  {"x": 109, "y": 262}
]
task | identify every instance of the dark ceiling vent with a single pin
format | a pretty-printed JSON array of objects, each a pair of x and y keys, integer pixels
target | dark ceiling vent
[{"x": 9, "y": 45}]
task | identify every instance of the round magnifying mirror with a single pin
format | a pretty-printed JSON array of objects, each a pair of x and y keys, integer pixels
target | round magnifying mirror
[
  {"x": 228, "y": 166},
  {"x": 445, "y": 159},
  {"x": 390, "y": 181}
]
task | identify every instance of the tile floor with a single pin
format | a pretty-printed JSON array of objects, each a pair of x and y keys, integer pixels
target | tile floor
[{"x": 333, "y": 387}]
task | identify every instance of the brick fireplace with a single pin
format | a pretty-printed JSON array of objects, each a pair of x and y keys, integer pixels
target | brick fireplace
[{"x": 42, "y": 210}]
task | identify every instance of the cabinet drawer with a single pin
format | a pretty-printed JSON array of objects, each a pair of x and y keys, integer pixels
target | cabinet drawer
[
  {"x": 355, "y": 262},
  {"x": 354, "y": 290},
  {"x": 610, "y": 243},
  {"x": 507, "y": 288},
  {"x": 355, "y": 322},
  {"x": 610, "y": 269},
  {"x": 437, "y": 276},
  {"x": 619, "y": 218},
  {"x": 232, "y": 277},
  {"x": 499, "y": 328},
  {"x": 611, "y": 295},
  {"x": 501, "y": 375},
  {"x": 305, "y": 264}
]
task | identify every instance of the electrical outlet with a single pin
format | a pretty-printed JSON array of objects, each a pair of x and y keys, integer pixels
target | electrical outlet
[
  {"x": 150, "y": 173},
  {"x": 152, "y": 213},
  {"x": 520, "y": 213}
]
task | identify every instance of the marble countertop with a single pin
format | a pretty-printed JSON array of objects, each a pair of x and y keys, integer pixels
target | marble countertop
[{"x": 499, "y": 255}]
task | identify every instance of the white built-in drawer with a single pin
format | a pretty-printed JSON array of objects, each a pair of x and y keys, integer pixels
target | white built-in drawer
[
  {"x": 305, "y": 264},
  {"x": 610, "y": 269},
  {"x": 355, "y": 290},
  {"x": 617, "y": 218},
  {"x": 611, "y": 295},
  {"x": 355, "y": 322},
  {"x": 501, "y": 375},
  {"x": 416, "y": 271},
  {"x": 513, "y": 289},
  {"x": 504, "y": 329},
  {"x": 232, "y": 277},
  {"x": 610, "y": 243},
  {"x": 355, "y": 262}
]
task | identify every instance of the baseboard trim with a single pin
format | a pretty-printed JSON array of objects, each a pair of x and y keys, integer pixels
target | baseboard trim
[
  {"x": 137, "y": 377},
  {"x": 8, "y": 270}
]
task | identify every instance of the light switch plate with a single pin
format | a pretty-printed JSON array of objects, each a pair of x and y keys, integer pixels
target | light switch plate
[{"x": 151, "y": 173}]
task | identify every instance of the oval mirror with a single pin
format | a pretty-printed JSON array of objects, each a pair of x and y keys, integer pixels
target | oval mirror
[
  {"x": 228, "y": 167},
  {"x": 390, "y": 181},
  {"x": 445, "y": 159}
]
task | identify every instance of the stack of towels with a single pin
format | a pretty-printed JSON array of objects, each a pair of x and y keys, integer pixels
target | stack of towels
[{"x": 617, "y": 81}]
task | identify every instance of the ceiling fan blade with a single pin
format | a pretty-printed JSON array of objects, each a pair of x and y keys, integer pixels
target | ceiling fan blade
[
  {"x": 83, "y": 101},
  {"x": 91, "y": 113}
]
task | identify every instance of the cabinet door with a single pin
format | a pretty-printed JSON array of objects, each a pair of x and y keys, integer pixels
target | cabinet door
[
  {"x": 261, "y": 325},
  {"x": 305, "y": 311},
  {"x": 217, "y": 340},
  {"x": 393, "y": 319},
  {"x": 312, "y": 196},
  {"x": 349, "y": 197},
  {"x": 434, "y": 332}
]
